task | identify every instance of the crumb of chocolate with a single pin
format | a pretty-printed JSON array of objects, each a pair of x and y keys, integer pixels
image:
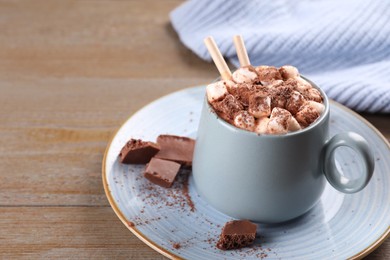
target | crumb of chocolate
[
  {"x": 176, "y": 245},
  {"x": 130, "y": 224}
]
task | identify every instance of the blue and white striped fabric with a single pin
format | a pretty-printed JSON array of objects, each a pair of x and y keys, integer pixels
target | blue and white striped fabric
[{"x": 343, "y": 46}]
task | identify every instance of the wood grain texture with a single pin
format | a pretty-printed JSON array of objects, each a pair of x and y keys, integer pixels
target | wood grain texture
[
  {"x": 71, "y": 72},
  {"x": 53, "y": 152},
  {"x": 68, "y": 232},
  {"x": 87, "y": 38}
]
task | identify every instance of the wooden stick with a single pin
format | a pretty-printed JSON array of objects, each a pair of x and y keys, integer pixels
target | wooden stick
[
  {"x": 241, "y": 51},
  {"x": 219, "y": 61}
]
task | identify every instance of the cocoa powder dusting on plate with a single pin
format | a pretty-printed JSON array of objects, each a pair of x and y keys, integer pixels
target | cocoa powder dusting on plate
[
  {"x": 187, "y": 194},
  {"x": 176, "y": 197}
]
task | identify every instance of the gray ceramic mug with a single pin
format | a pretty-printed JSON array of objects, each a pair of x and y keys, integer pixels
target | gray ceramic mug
[{"x": 271, "y": 178}]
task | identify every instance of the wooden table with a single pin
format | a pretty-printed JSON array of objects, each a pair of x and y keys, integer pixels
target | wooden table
[{"x": 70, "y": 73}]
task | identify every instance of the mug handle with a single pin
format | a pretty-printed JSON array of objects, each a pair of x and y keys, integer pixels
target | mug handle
[{"x": 334, "y": 176}]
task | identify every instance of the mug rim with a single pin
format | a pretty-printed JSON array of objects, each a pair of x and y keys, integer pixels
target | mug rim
[{"x": 318, "y": 121}]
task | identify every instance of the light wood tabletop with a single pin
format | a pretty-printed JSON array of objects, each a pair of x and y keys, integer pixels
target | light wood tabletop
[{"x": 71, "y": 72}]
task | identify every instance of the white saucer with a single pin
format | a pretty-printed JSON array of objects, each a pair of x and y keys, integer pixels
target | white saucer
[{"x": 338, "y": 227}]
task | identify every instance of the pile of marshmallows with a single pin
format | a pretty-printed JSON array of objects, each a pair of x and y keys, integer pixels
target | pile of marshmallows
[{"x": 266, "y": 100}]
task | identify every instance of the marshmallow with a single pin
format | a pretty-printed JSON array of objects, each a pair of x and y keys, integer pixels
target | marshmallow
[
  {"x": 293, "y": 125},
  {"x": 275, "y": 84},
  {"x": 261, "y": 125},
  {"x": 319, "y": 107},
  {"x": 307, "y": 114},
  {"x": 314, "y": 94},
  {"x": 244, "y": 120},
  {"x": 279, "y": 121},
  {"x": 228, "y": 107},
  {"x": 302, "y": 84},
  {"x": 231, "y": 86},
  {"x": 262, "y": 90},
  {"x": 280, "y": 95},
  {"x": 288, "y": 72},
  {"x": 216, "y": 91},
  {"x": 308, "y": 91},
  {"x": 244, "y": 75},
  {"x": 259, "y": 105},
  {"x": 295, "y": 101},
  {"x": 267, "y": 74},
  {"x": 243, "y": 92},
  {"x": 292, "y": 83}
]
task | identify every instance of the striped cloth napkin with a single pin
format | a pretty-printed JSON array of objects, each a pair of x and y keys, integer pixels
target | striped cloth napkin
[{"x": 343, "y": 46}]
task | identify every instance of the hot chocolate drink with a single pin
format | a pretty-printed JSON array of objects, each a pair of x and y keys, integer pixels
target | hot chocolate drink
[{"x": 266, "y": 100}]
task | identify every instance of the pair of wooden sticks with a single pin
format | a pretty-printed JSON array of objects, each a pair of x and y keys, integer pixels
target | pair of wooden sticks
[{"x": 218, "y": 59}]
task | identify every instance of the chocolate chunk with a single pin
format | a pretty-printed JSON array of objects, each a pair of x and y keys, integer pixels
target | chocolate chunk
[
  {"x": 137, "y": 151},
  {"x": 161, "y": 172},
  {"x": 179, "y": 149},
  {"x": 237, "y": 234}
]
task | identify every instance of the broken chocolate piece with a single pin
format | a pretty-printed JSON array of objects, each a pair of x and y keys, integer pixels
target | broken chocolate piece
[
  {"x": 161, "y": 172},
  {"x": 136, "y": 151},
  {"x": 179, "y": 149},
  {"x": 237, "y": 234}
]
